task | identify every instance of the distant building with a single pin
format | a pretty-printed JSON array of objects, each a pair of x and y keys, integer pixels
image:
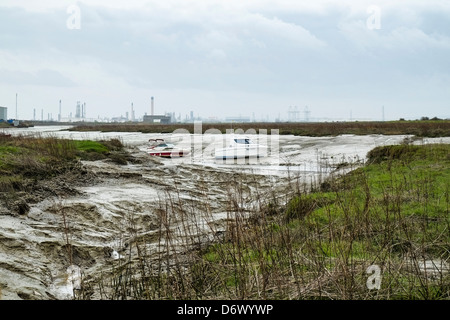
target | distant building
[
  {"x": 152, "y": 118},
  {"x": 157, "y": 119},
  {"x": 3, "y": 113},
  {"x": 237, "y": 119}
]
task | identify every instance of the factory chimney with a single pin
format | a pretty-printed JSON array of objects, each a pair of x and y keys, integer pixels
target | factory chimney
[
  {"x": 153, "y": 107},
  {"x": 59, "y": 114},
  {"x": 132, "y": 112},
  {"x": 78, "y": 110}
]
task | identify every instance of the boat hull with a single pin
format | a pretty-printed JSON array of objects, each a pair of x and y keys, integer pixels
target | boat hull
[
  {"x": 244, "y": 152},
  {"x": 168, "y": 154}
]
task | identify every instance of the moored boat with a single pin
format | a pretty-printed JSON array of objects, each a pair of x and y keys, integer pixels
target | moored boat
[
  {"x": 241, "y": 147},
  {"x": 160, "y": 148}
]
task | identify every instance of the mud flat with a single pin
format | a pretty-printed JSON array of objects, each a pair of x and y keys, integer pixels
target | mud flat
[{"x": 80, "y": 223}]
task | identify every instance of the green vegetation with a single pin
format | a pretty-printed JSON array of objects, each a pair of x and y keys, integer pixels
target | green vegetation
[
  {"x": 24, "y": 161},
  {"x": 37, "y": 157},
  {"x": 393, "y": 214},
  {"x": 91, "y": 146}
]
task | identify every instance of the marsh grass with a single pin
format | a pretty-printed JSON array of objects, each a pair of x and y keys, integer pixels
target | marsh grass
[
  {"x": 28, "y": 162},
  {"x": 310, "y": 242},
  {"x": 429, "y": 128},
  {"x": 39, "y": 157}
]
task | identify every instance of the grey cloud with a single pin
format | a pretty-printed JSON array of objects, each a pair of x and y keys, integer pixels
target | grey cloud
[
  {"x": 265, "y": 49},
  {"x": 44, "y": 77}
]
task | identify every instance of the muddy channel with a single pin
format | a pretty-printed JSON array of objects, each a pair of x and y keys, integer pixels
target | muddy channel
[{"x": 83, "y": 230}]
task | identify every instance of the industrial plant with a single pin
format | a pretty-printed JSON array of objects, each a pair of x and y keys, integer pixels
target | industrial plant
[
  {"x": 152, "y": 118},
  {"x": 3, "y": 113},
  {"x": 79, "y": 114}
]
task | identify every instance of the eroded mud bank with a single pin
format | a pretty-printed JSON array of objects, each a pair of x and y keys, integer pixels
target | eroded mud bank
[{"x": 78, "y": 224}]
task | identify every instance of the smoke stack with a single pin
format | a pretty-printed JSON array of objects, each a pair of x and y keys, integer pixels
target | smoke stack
[
  {"x": 59, "y": 115},
  {"x": 78, "y": 110},
  {"x": 152, "y": 113}
]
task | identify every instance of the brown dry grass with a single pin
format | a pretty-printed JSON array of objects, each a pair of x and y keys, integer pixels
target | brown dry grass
[{"x": 430, "y": 128}]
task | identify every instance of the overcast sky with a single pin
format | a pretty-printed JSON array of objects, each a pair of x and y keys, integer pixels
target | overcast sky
[{"x": 224, "y": 58}]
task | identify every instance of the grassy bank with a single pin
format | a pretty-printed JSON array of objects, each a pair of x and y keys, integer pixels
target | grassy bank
[
  {"x": 428, "y": 128},
  {"x": 25, "y": 162},
  {"x": 37, "y": 157},
  {"x": 378, "y": 232}
]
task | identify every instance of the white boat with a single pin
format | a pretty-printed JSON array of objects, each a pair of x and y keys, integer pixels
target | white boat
[
  {"x": 160, "y": 148},
  {"x": 241, "y": 147}
]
